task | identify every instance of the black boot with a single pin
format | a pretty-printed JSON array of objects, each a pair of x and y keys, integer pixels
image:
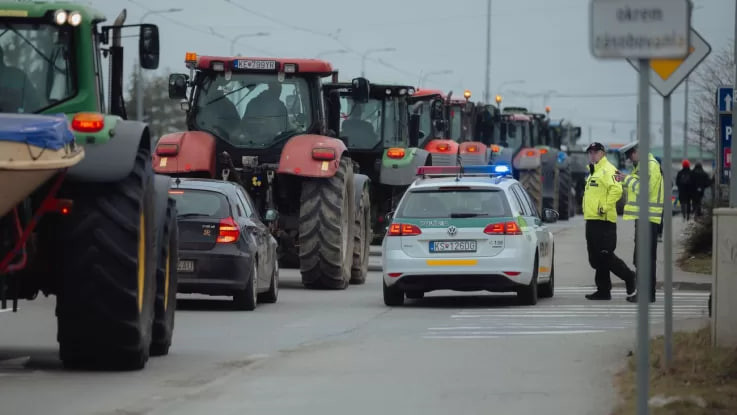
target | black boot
[{"x": 599, "y": 295}]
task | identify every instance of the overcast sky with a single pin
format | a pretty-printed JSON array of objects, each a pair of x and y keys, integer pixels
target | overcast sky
[{"x": 541, "y": 42}]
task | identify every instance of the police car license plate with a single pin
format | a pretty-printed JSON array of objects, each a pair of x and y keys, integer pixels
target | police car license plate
[
  {"x": 452, "y": 246},
  {"x": 185, "y": 266}
]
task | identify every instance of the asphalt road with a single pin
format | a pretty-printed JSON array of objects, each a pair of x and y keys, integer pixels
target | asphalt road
[{"x": 324, "y": 352}]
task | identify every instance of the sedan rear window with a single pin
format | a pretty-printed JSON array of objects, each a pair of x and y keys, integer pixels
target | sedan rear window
[
  {"x": 200, "y": 203},
  {"x": 461, "y": 203}
]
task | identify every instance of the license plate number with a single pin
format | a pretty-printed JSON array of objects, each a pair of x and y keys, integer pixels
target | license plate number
[
  {"x": 185, "y": 266},
  {"x": 452, "y": 246}
]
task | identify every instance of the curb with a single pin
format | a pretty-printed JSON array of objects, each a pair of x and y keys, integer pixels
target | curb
[{"x": 680, "y": 286}]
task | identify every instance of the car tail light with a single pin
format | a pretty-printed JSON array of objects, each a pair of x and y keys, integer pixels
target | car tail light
[
  {"x": 494, "y": 229},
  {"x": 503, "y": 228},
  {"x": 395, "y": 153},
  {"x": 512, "y": 273},
  {"x": 394, "y": 274},
  {"x": 512, "y": 228},
  {"x": 323, "y": 153},
  {"x": 403, "y": 229},
  {"x": 88, "y": 122},
  {"x": 167, "y": 149},
  {"x": 228, "y": 232}
]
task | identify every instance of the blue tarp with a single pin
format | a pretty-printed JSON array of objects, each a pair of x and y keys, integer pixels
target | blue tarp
[{"x": 45, "y": 131}]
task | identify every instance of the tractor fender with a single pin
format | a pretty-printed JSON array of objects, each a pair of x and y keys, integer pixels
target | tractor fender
[
  {"x": 403, "y": 172},
  {"x": 359, "y": 180},
  {"x": 185, "y": 152},
  {"x": 527, "y": 159},
  {"x": 114, "y": 160},
  {"x": 161, "y": 195},
  {"x": 296, "y": 156}
]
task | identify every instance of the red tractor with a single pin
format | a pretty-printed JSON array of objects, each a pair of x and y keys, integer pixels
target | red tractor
[
  {"x": 451, "y": 124},
  {"x": 261, "y": 122}
]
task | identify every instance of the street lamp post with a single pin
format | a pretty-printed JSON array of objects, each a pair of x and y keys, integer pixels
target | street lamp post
[
  {"x": 427, "y": 75},
  {"x": 241, "y": 36},
  {"x": 139, "y": 83},
  {"x": 365, "y": 54}
]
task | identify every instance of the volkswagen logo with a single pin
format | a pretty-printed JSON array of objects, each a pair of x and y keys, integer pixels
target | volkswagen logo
[{"x": 452, "y": 230}]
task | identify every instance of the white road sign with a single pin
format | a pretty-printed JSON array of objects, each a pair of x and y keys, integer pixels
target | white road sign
[{"x": 639, "y": 29}]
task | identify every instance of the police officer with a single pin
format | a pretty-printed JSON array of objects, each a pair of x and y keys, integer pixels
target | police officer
[
  {"x": 600, "y": 198},
  {"x": 655, "y": 205}
]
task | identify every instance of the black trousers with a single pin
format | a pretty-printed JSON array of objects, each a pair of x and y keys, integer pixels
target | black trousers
[
  {"x": 601, "y": 241},
  {"x": 696, "y": 204},
  {"x": 685, "y": 205},
  {"x": 653, "y": 229}
]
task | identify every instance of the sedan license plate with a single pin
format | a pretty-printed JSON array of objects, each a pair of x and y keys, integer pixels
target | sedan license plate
[
  {"x": 452, "y": 246},
  {"x": 185, "y": 266}
]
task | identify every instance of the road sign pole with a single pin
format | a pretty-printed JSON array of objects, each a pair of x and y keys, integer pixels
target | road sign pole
[
  {"x": 732, "y": 178},
  {"x": 643, "y": 240},
  {"x": 667, "y": 230}
]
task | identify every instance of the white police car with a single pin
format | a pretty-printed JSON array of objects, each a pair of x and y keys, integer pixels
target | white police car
[{"x": 468, "y": 228}]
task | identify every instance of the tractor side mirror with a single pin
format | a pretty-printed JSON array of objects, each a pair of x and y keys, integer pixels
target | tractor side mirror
[
  {"x": 271, "y": 215},
  {"x": 178, "y": 86},
  {"x": 360, "y": 91},
  {"x": 148, "y": 46},
  {"x": 577, "y": 132}
]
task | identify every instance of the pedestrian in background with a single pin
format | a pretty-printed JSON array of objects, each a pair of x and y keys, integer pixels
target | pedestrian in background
[
  {"x": 684, "y": 182},
  {"x": 701, "y": 182},
  {"x": 655, "y": 206},
  {"x": 600, "y": 198}
]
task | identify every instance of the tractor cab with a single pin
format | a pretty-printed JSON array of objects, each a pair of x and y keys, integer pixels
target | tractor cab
[
  {"x": 373, "y": 127},
  {"x": 251, "y": 106}
]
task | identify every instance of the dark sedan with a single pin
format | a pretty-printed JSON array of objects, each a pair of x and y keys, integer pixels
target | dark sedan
[{"x": 224, "y": 246}]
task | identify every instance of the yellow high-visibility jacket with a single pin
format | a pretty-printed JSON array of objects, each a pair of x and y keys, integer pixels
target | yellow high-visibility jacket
[
  {"x": 655, "y": 203},
  {"x": 602, "y": 193}
]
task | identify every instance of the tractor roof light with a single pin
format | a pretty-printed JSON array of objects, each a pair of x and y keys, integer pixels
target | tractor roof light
[
  {"x": 498, "y": 99},
  {"x": 190, "y": 57},
  {"x": 75, "y": 18},
  {"x": 60, "y": 17},
  {"x": 467, "y": 94}
]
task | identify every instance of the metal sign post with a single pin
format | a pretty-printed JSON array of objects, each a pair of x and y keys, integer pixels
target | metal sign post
[
  {"x": 643, "y": 30},
  {"x": 665, "y": 76}
]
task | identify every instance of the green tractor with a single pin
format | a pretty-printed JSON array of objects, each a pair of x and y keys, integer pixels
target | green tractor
[
  {"x": 376, "y": 133},
  {"x": 82, "y": 214}
]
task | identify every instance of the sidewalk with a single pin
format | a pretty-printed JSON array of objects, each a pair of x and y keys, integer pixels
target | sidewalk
[{"x": 571, "y": 255}]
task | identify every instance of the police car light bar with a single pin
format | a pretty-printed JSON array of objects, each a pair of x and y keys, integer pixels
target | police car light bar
[
  {"x": 438, "y": 170},
  {"x": 477, "y": 170}
]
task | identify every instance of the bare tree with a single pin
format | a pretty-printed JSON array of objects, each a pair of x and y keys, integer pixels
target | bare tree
[{"x": 717, "y": 70}]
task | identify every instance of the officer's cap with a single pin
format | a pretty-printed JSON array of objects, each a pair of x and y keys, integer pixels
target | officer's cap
[
  {"x": 595, "y": 146},
  {"x": 629, "y": 148}
]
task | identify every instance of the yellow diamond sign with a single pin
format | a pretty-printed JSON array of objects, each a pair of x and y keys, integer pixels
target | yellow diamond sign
[
  {"x": 665, "y": 67},
  {"x": 667, "y": 74}
]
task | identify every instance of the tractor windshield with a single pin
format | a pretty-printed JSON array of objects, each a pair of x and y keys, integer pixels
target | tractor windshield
[
  {"x": 456, "y": 122},
  {"x": 366, "y": 126},
  {"x": 514, "y": 134},
  {"x": 35, "y": 68},
  {"x": 253, "y": 110}
]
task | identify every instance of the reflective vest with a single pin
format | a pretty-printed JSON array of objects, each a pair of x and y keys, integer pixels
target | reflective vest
[
  {"x": 602, "y": 193},
  {"x": 655, "y": 204}
]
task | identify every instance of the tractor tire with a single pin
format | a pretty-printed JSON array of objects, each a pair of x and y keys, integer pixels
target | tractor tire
[
  {"x": 325, "y": 228},
  {"x": 362, "y": 237},
  {"x": 564, "y": 196},
  {"x": 532, "y": 181},
  {"x": 106, "y": 258},
  {"x": 166, "y": 283}
]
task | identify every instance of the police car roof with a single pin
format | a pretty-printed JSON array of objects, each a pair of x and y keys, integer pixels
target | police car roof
[{"x": 477, "y": 181}]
